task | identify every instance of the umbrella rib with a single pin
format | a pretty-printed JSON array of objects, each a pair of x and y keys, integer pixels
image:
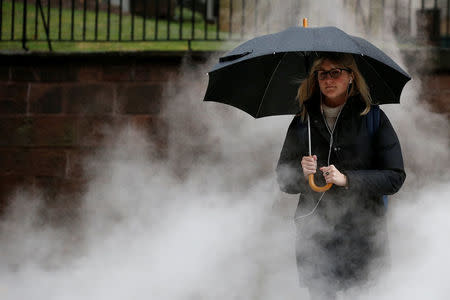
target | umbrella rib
[
  {"x": 268, "y": 84},
  {"x": 375, "y": 71}
]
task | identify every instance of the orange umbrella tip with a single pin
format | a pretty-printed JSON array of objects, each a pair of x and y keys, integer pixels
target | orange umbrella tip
[{"x": 305, "y": 22}]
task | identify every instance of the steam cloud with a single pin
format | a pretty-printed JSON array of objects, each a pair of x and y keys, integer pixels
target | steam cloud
[{"x": 200, "y": 223}]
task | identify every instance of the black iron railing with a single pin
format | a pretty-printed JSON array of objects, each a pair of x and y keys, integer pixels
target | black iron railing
[{"x": 53, "y": 21}]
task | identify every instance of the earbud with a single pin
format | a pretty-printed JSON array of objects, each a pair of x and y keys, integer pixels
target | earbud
[{"x": 350, "y": 81}]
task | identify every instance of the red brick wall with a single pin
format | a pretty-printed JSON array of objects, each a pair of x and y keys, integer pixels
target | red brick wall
[
  {"x": 52, "y": 110},
  {"x": 437, "y": 92}
]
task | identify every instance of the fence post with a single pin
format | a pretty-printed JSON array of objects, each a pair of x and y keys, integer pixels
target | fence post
[
  {"x": 24, "y": 29},
  {"x": 428, "y": 25},
  {"x": 225, "y": 15},
  {"x": 376, "y": 19}
]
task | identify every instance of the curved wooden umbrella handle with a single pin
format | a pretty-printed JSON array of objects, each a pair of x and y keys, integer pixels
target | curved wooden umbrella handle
[{"x": 316, "y": 188}]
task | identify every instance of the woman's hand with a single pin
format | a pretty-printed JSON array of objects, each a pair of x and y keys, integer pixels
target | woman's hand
[
  {"x": 309, "y": 165},
  {"x": 332, "y": 175}
]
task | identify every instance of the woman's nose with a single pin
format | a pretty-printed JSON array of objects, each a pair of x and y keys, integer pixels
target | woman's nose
[{"x": 328, "y": 78}]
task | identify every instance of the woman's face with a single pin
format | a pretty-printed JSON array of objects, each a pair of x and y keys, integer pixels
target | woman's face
[{"x": 333, "y": 89}]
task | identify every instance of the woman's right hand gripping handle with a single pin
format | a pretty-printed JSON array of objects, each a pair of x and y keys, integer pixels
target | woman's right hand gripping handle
[{"x": 309, "y": 166}]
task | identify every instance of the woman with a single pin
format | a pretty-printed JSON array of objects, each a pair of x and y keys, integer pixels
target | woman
[{"x": 340, "y": 231}]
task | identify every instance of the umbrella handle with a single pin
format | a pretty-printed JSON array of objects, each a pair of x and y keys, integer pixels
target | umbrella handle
[{"x": 316, "y": 188}]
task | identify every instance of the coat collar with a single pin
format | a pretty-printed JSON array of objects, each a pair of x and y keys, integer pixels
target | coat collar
[{"x": 353, "y": 107}]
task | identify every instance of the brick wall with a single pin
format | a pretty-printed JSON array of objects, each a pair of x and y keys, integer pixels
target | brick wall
[
  {"x": 437, "y": 92},
  {"x": 53, "y": 109},
  {"x": 434, "y": 73}
]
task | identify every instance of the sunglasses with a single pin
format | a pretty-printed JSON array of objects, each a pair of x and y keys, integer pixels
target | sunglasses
[{"x": 334, "y": 73}]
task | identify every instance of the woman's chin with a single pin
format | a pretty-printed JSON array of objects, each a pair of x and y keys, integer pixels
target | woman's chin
[{"x": 334, "y": 100}]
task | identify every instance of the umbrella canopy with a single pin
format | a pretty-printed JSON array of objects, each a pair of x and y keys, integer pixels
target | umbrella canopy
[{"x": 262, "y": 75}]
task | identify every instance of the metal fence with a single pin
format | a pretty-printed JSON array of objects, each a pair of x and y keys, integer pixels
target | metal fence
[{"x": 194, "y": 20}]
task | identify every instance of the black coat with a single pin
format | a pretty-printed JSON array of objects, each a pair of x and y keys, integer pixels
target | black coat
[{"x": 349, "y": 216}]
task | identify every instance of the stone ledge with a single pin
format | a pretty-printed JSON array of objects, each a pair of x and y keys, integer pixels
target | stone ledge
[
  {"x": 440, "y": 57},
  {"x": 159, "y": 56}
]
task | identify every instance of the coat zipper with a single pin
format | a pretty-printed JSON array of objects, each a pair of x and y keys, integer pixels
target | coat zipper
[{"x": 329, "y": 153}]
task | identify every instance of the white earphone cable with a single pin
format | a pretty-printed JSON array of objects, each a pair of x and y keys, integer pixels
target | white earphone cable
[{"x": 312, "y": 211}]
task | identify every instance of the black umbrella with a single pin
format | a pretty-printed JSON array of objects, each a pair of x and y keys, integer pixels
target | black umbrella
[{"x": 262, "y": 75}]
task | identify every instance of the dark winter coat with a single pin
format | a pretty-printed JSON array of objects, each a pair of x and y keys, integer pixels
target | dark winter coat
[{"x": 339, "y": 241}]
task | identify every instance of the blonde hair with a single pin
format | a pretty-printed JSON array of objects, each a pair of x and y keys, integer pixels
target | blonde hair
[{"x": 310, "y": 87}]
